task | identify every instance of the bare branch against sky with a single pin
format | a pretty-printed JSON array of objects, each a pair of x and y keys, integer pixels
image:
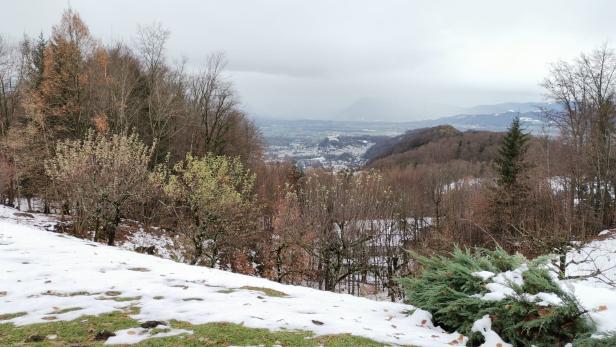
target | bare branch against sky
[{"x": 314, "y": 59}]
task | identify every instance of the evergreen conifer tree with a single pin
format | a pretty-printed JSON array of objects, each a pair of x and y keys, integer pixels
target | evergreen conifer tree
[
  {"x": 510, "y": 195},
  {"x": 510, "y": 164}
]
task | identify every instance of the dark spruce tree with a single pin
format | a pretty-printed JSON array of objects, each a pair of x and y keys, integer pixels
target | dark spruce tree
[
  {"x": 510, "y": 165},
  {"x": 510, "y": 195}
]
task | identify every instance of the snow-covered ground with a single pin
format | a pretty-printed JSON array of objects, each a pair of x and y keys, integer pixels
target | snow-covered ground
[
  {"x": 42, "y": 273},
  {"x": 595, "y": 264},
  {"x": 165, "y": 245},
  {"x": 46, "y": 274}
]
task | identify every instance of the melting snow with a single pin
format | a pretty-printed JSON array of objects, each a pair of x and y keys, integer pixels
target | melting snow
[
  {"x": 596, "y": 293},
  {"x": 43, "y": 273},
  {"x": 484, "y": 326},
  {"x": 135, "y": 335},
  {"x": 502, "y": 283},
  {"x": 502, "y": 286},
  {"x": 543, "y": 299},
  {"x": 484, "y": 275}
]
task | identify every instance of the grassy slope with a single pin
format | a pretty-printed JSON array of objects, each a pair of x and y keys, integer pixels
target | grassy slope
[{"x": 82, "y": 332}]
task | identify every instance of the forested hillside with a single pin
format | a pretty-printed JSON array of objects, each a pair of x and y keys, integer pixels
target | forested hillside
[{"x": 435, "y": 145}]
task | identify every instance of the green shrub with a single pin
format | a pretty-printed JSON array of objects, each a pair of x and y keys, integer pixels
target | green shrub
[
  {"x": 99, "y": 178},
  {"x": 605, "y": 340},
  {"x": 449, "y": 290},
  {"x": 213, "y": 200}
]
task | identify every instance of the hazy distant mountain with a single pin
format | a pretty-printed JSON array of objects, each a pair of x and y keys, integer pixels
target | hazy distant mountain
[
  {"x": 368, "y": 109},
  {"x": 494, "y": 117},
  {"x": 532, "y": 120},
  {"x": 522, "y": 107},
  {"x": 486, "y": 117},
  {"x": 385, "y": 110}
]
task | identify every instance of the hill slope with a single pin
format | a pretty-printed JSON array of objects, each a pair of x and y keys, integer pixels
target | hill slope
[
  {"x": 438, "y": 144},
  {"x": 48, "y": 276}
]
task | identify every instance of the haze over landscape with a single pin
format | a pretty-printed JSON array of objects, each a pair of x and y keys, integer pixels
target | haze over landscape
[{"x": 395, "y": 60}]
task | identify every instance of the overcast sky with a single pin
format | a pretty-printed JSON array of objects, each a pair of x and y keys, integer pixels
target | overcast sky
[{"x": 314, "y": 59}]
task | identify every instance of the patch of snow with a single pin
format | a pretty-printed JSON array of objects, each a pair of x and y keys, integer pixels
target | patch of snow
[
  {"x": 594, "y": 265},
  {"x": 595, "y": 261},
  {"x": 511, "y": 277},
  {"x": 16, "y": 216},
  {"x": 600, "y": 303},
  {"x": 497, "y": 292},
  {"x": 484, "y": 275},
  {"x": 422, "y": 318},
  {"x": 484, "y": 326},
  {"x": 136, "y": 335},
  {"x": 543, "y": 299},
  {"x": 163, "y": 244},
  {"x": 502, "y": 284}
]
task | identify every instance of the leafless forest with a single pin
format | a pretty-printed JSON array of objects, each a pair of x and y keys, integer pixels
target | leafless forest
[{"x": 103, "y": 133}]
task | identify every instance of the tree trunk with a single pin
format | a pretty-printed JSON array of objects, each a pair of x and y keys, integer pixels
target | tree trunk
[
  {"x": 112, "y": 227},
  {"x": 562, "y": 264},
  {"x": 198, "y": 250}
]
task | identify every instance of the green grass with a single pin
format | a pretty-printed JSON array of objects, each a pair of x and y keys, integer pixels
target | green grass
[
  {"x": 159, "y": 331},
  {"x": 7, "y": 316},
  {"x": 78, "y": 331},
  {"x": 80, "y": 293},
  {"x": 139, "y": 269},
  {"x": 225, "y": 334},
  {"x": 82, "y": 331},
  {"x": 267, "y": 291},
  {"x": 126, "y": 298},
  {"x": 64, "y": 310},
  {"x": 226, "y": 291},
  {"x": 112, "y": 293}
]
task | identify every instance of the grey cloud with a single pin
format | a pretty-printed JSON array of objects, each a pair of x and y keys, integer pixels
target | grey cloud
[{"x": 318, "y": 58}]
